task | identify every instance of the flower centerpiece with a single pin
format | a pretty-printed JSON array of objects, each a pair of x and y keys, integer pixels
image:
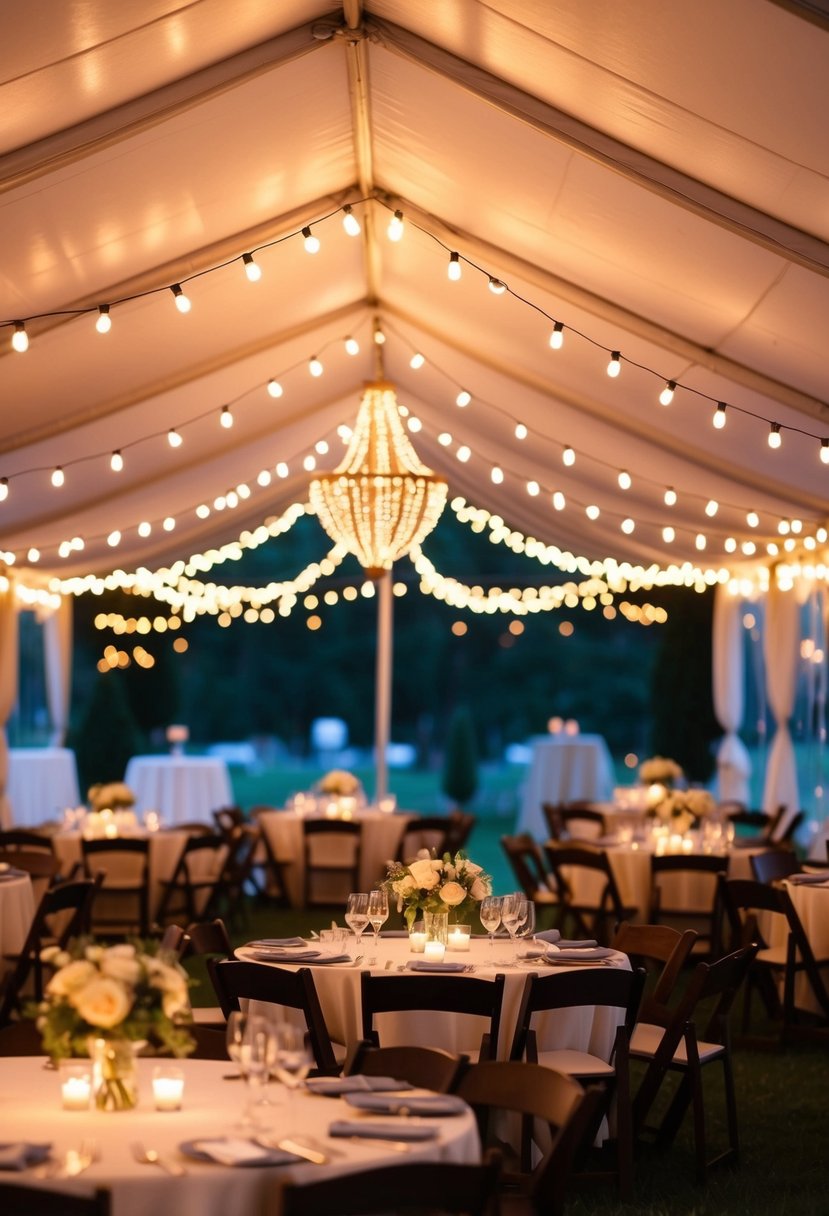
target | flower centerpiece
[
  {"x": 340, "y": 784},
  {"x": 106, "y": 1001},
  {"x": 113, "y": 796},
  {"x": 682, "y": 810},
  {"x": 660, "y": 770},
  {"x": 437, "y": 884}
]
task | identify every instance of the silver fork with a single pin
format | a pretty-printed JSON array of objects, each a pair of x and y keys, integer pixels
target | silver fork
[{"x": 151, "y": 1156}]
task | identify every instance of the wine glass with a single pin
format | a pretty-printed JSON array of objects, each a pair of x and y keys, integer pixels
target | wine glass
[
  {"x": 378, "y": 911},
  {"x": 490, "y": 914},
  {"x": 234, "y": 1038},
  {"x": 526, "y": 926},
  {"x": 356, "y": 914},
  {"x": 513, "y": 912},
  {"x": 293, "y": 1059}
]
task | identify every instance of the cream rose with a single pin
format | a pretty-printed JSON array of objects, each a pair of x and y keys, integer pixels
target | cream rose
[
  {"x": 74, "y": 975},
  {"x": 103, "y": 1002},
  {"x": 479, "y": 889},
  {"x": 452, "y": 893},
  {"x": 121, "y": 967},
  {"x": 424, "y": 874},
  {"x": 404, "y": 886}
]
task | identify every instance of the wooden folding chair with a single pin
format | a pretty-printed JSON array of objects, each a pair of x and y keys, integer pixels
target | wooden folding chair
[
  {"x": 527, "y": 862},
  {"x": 774, "y": 865},
  {"x": 23, "y": 1199},
  {"x": 458, "y": 994},
  {"x": 194, "y": 886},
  {"x": 424, "y": 1067},
  {"x": 332, "y": 860},
  {"x": 663, "y": 952},
  {"x": 124, "y": 862},
  {"x": 685, "y": 895},
  {"x": 589, "y": 898},
  {"x": 574, "y": 820}
]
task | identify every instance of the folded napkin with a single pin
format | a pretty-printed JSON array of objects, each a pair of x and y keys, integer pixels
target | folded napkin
[
  {"x": 274, "y": 955},
  {"x": 21, "y": 1155},
  {"x": 282, "y": 942},
  {"x": 533, "y": 952},
  {"x": 8, "y": 872},
  {"x": 800, "y": 880},
  {"x": 579, "y": 956},
  {"x": 334, "y": 1086},
  {"x": 227, "y": 1150},
  {"x": 548, "y": 935},
  {"x": 424, "y": 1104},
  {"x": 424, "y": 964},
  {"x": 329, "y": 958},
  {"x": 382, "y": 1131},
  {"x": 566, "y": 943}
]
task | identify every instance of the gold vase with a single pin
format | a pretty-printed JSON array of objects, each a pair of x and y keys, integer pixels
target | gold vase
[{"x": 114, "y": 1075}]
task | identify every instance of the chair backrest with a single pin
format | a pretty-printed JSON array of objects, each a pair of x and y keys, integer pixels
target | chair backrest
[
  {"x": 332, "y": 859},
  {"x": 25, "y": 838},
  {"x": 209, "y": 937},
  {"x": 173, "y": 940},
  {"x": 198, "y": 873},
  {"x": 459, "y": 994},
  {"x": 434, "y": 1187},
  {"x": 774, "y": 864},
  {"x": 461, "y": 825},
  {"x": 23, "y": 1199},
  {"x": 720, "y": 980},
  {"x": 573, "y": 820},
  {"x": 598, "y": 915},
  {"x": 532, "y": 1090},
  {"x": 598, "y": 987},
  {"x": 800, "y": 956},
  {"x": 426, "y": 1067},
  {"x": 742, "y": 899},
  {"x": 698, "y": 908},
  {"x": 130, "y": 856},
  {"x": 42, "y": 867},
  {"x": 783, "y": 828},
  {"x": 527, "y": 863},
  {"x": 226, "y": 818},
  {"x": 236, "y": 980},
  {"x": 425, "y": 832},
  {"x": 660, "y": 944}
]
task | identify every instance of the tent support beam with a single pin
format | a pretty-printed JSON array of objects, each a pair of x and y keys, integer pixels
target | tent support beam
[{"x": 382, "y": 697}]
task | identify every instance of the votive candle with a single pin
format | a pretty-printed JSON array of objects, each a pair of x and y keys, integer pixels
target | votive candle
[
  {"x": 434, "y": 951},
  {"x": 168, "y": 1088}
]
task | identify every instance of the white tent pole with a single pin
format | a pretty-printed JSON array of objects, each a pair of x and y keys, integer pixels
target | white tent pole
[{"x": 382, "y": 685}]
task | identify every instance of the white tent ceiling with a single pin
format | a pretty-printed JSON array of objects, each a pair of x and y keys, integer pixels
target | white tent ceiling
[{"x": 651, "y": 175}]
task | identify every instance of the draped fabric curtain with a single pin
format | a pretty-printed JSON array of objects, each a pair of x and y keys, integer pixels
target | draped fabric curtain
[
  {"x": 781, "y": 643},
  {"x": 8, "y": 689},
  {"x": 728, "y": 679},
  {"x": 57, "y": 651}
]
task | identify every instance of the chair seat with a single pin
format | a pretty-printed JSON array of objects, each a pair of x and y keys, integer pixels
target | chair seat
[
  {"x": 774, "y": 956},
  {"x": 576, "y": 1063},
  {"x": 210, "y": 1015},
  {"x": 646, "y": 1039}
]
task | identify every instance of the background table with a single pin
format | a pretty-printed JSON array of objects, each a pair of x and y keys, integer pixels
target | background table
[
  {"x": 180, "y": 788},
  {"x": 165, "y": 850},
  {"x": 564, "y": 768},
  {"x": 30, "y": 1103},
  {"x": 380, "y": 843},
  {"x": 812, "y": 906},
  {"x": 43, "y": 782},
  {"x": 17, "y": 909}
]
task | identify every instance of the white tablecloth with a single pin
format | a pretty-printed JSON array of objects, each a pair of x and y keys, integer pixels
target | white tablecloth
[
  {"x": 380, "y": 840},
  {"x": 182, "y": 788},
  {"x": 43, "y": 782},
  {"x": 30, "y": 1105},
  {"x": 564, "y": 768},
  {"x": 165, "y": 851},
  {"x": 812, "y": 906},
  {"x": 584, "y": 1029},
  {"x": 17, "y": 909}
]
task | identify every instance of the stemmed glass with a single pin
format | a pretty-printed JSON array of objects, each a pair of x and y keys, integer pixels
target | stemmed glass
[
  {"x": 526, "y": 926},
  {"x": 293, "y": 1059},
  {"x": 513, "y": 912},
  {"x": 378, "y": 911},
  {"x": 356, "y": 914},
  {"x": 250, "y": 1043},
  {"x": 490, "y": 914},
  {"x": 234, "y": 1039}
]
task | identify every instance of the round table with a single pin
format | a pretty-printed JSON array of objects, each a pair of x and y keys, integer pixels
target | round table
[
  {"x": 564, "y": 768},
  {"x": 17, "y": 909},
  {"x": 165, "y": 851},
  {"x": 181, "y": 788},
  {"x": 30, "y": 1104},
  {"x": 43, "y": 782}
]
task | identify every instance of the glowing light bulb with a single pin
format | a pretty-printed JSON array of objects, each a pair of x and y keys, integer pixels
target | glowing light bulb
[
  {"x": 20, "y": 339},
  {"x": 114, "y": 539},
  {"x": 444, "y": 439},
  {"x": 568, "y": 457},
  {"x": 395, "y": 229},
  {"x": 379, "y": 336},
  {"x": 463, "y": 398},
  {"x": 700, "y": 541},
  {"x": 824, "y": 450},
  {"x": 592, "y": 511},
  {"x": 627, "y": 526},
  {"x": 712, "y": 507},
  {"x": 252, "y": 270},
  {"x": 116, "y": 462},
  {"x": 557, "y": 336},
  {"x": 497, "y": 475},
  {"x": 417, "y": 360},
  {"x": 145, "y": 528},
  {"x": 783, "y": 527},
  {"x": 350, "y": 222},
  {"x": 497, "y": 286},
  {"x": 463, "y": 453},
  {"x": 226, "y": 418},
  {"x": 669, "y": 497},
  {"x": 667, "y": 394},
  {"x": 730, "y": 544},
  {"x": 624, "y": 480},
  {"x": 753, "y": 519},
  {"x": 352, "y": 346},
  {"x": 314, "y": 366},
  {"x": 454, "y": 267},
  {"x": 182, "y": 301},
  {"x": 775, "y": 438},
  {"x": 312, "y": 243},
  {"x": 4, "y": 488},
  {"x": 58, "y": 477},
  {"x": 533, "y": 489},
  {"x": 521, "y": 431},
  {"x": 719, "y": 416},
  {"x": 668, "y": 534},
  {"x": 559, "y": 501},
  {"x": 173, "y": 438},
  {"x": 103, "y": 323},
  {"x": 615, "y": 365},
  {"x": 33, "y": 555}
]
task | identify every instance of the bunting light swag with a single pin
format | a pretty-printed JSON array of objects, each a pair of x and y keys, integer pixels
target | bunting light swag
[{"x": 381, "y": 500}]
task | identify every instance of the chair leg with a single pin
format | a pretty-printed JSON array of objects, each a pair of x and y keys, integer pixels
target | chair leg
[{"x": 624, "y": 1129}]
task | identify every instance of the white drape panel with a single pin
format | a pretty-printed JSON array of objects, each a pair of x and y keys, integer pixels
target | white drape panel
[
  {"x": 8, "y": 689},
  {"x": 57, "y": 652},
  {"x": 728, "y": 676},
  {"x": 781, "y": 651}
]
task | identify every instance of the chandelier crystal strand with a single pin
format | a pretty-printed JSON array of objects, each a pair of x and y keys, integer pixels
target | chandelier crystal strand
[{"x": 381, "y": 499}]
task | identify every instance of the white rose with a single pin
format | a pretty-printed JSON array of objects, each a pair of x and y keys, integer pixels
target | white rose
[
  {"x": 49, "y": 953},
  {"x": 94, "y": 953},
  {"x": 479, "y": 889},
  {"x": 175, "y": 1000},
  {"x": 471, "y": 868},
  {"x": 103, "y": 1002},
  {"x": 404, "y": 886},
  {"x": 119, "y": 967},
  {"x": 452, "y": 893},
  {"x": 424, "y": 874},
  {"x": 74, "y": 975}
]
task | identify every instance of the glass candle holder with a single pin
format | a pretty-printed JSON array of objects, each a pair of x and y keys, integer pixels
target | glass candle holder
[
  {"x": 434, "y": 951},
  {"x": 168, "y": 1087},
  {"x": 75, "y": 1085},
  {"x": 458, "y": 937},
  {"x": 417, "y": 937}
]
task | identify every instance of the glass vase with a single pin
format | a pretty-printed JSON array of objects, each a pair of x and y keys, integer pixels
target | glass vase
[{"x": 114, "y": 1074}]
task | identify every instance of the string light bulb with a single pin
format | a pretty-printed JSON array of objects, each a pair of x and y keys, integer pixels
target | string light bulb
[
  {"x": 497, "y": 475},
  {"x": 379, "y": 336},
  {"x": 275, "y": 389},
  {"x": 4, "y": 488},
  {"x": 667, "y": 394},
  {"x": 252, "y": 270},
  {"x": 352, "y": 346},
  {"x": 824, "y": 450},
  {"x": 668, "y": 534},
  {"x": 557, "y": 336},
  {"x": 463, "y": 398},
  {"x": 775, "y": 438},
  {"x": 712, "y": 507},
  {"x": 103, "y": 323},
  {"x": 417, "y": 360},
  {"x": 497, "y": 286},
  {"x": 521, "y": 431},
  {"x": 568, "y": 457},
  {"x": 182, "y": 301},
  {"x": 226, "y": 418},
  {"x": 57, "y": 477},
  {"x": 20, "y": 339},
  {"x": 312, "y": 244},
  {"x": 753, "y": 519},
  {"x": 453, "y": 270},
  {"x": 615, "y": 364},
  {"x": 624, "y": 480},
  {"x": 719, "y": 416},
  {"x": 315, "y": 366},
  {"x": 628, "y": 526},
  {"x": 173, "y": 438},
  {"x": 116, "y": 462},
  {"x": 592, "y": 511},
  {"x": 395, "y": 228},
  {"x": 669, "y": 497},
  {"x": 350, "y": 222}
]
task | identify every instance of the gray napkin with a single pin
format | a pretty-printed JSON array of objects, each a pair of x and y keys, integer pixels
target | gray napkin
[
  {"x": 286, "y": 956},
  {"x": 424, "y": 1104},
  {"x": 279, "y": 942},
  {"x": 800, "y": 880},
  {"x": 382, "y": 1131},
  {"x": 423, "y": 964},
  {"x": 548, "y": 935},
  {"x": 356, "y": 1083},
  {"x": 579, "y": 955},
  {"x": 566, "y": 943},
  {"x": 21, "y": 1155}
]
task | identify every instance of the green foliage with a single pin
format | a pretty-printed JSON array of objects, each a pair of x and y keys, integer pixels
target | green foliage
[
  {"x": 460, "y": 766},
  {"x": 107, "y": 735}
]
